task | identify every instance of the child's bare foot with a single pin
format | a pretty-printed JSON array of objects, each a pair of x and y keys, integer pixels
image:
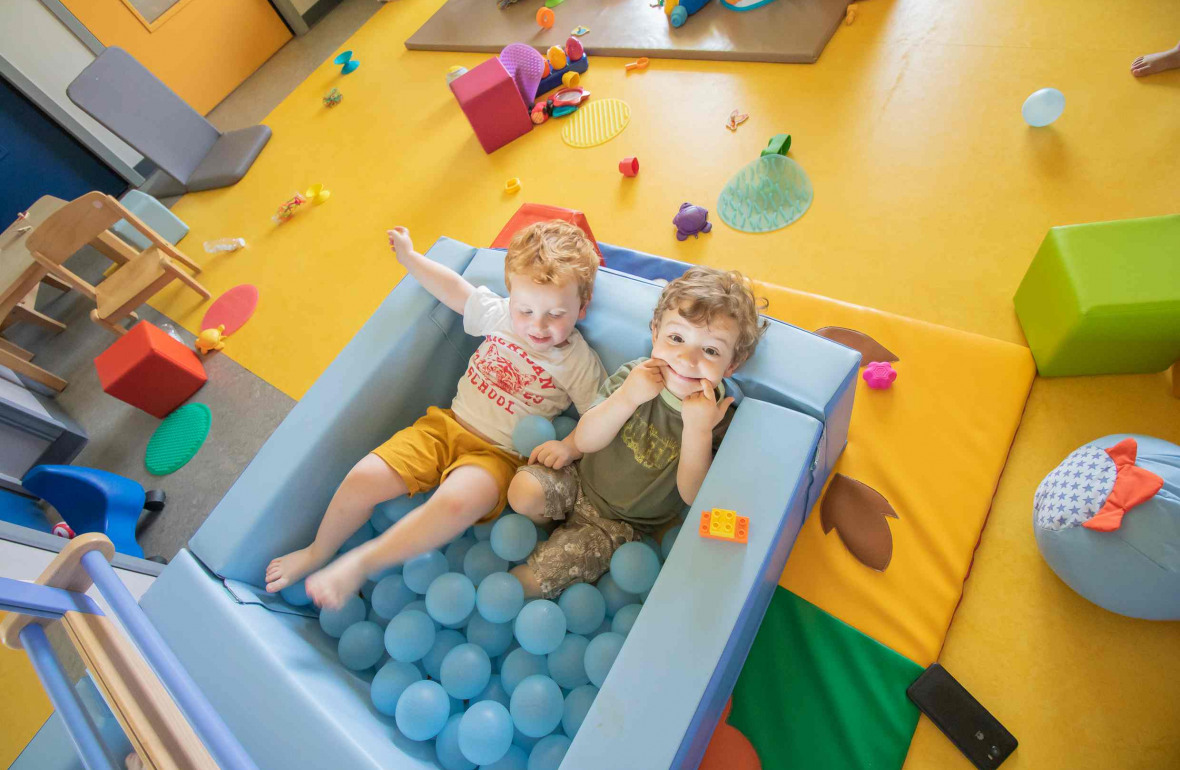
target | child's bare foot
[
  {"x": 285, "y": 570},
  {"x": 1156, "y": 62},
  {"x": 332, "y": 586}
]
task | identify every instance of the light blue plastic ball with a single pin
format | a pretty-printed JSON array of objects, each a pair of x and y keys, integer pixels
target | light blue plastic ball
[
  {"x": 456, "y": 551},
  {"x": 361, "y": 645},
  {"x": 465, "y": 671},
  {"x": 450, "y": 598},
  {"x": 500, "y": 597},
  {"x": 513, "y": 537},
  {"x": 550, "y": 750},
  {"x": 530, "y": 432},
  {"x": 396, "y": 509},
  {"x": 482, "y": 561},
  {"x": 335, "y": 621},
  {"x": 420, "y": 571},
  {"x": 564, "y": 425},
  {"x": 296, "y": 595},
  {"x": 381, "y": 574},
  {"x": 601, "y": 654},
  {"x": 567, "y": 664},
  {"x": 378, "y": 520},
  {"x": 584, "y": 608},
  {"x": 616, "y": 598},
  {"x": 483, "y": 532},
  {"x": 391, "y": 595},
  {"x": 604, "y": 628},
  {"x": 635, "y": 567},
  {"x": 419, "y": 605},
  {"x": 536, "y": 706},
  {"x": 577, "y": 703},
  {"x": 540, "y": 627},
  {"x": 462, "y": 623},
  {"x": 522, "y": 740},
  {"x": 493, "y": 637},
  {"x": 485, "y": 734},
  {"x": 363, "y": 535},
  {"x": 1043, "y": 107},
  {"x": 444, "y": 641},
  {"x": 519, "y": 665},
  {"x": 409, "y": 636},
  {"x": 446, "y": 746},
  {"x": 367, "y": 591},
  {"x": 625, "y": 618},
  {"x": 422, "y": 710},
  {"x": 516, "y": 759},
  {"x": 668, "y": 541},
  {"x": 494, "y": 691},
  {"x": 389, "y": 683}
]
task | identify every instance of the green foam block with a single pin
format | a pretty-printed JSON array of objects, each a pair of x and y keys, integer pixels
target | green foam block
[{"x": 178, "y": 438}]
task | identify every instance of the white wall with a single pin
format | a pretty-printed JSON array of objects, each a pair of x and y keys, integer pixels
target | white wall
[{"x": 43, "y": 49}]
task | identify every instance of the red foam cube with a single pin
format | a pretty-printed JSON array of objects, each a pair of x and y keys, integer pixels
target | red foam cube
[
  {"x": 493, "y": 105},
  {"x": 150, "y": 370}
]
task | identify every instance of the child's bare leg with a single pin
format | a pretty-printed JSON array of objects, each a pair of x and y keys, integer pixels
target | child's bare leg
[
  {"x": 1156, "y": 62},
  {"x": 462, "y": 499},
  {"x": 524, "y": 573},
  {"x": 526, "y": 496},
  {"x": 370, "y": 481}
]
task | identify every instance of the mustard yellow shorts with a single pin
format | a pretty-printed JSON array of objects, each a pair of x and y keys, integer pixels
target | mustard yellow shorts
[{"x": 425, "y": 453}]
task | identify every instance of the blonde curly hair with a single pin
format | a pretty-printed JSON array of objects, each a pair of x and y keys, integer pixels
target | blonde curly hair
[
  {"x": 704, "y": 293},
  {"x": 553, "y": 252}
]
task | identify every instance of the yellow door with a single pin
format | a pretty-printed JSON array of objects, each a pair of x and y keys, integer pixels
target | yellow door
[{"x": 202, "y": 49}]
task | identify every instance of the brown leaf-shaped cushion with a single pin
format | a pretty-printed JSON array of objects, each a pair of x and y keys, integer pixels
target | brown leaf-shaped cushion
[
  {"x": 870, "y": 350},
  {"x": 858, "y": 513}
]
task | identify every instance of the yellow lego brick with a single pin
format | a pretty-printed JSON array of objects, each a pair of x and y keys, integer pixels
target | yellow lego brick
[{"x": 720, "y": 524}]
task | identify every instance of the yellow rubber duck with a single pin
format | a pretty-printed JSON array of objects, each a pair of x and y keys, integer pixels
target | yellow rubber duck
[{"x": 211, "y": 339}]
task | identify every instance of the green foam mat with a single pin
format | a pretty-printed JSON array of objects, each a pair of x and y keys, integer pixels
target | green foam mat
[
  {"x": 817, "y": 693},
  {"x": 178, "y": 439},
  {"x": 768, "y": 193}
]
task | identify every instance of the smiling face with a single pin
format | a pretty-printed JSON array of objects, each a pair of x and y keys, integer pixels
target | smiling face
[
  {"x": 694, "y": 352},
  {"x": 543, "y": 314}
]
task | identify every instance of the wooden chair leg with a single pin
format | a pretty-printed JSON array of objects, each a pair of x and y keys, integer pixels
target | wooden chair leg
[
  {"x": 34, "y": 316},
  {"x": 114, "y": 327},
  {"x": 32, "y": 371},
  {"x": 15, "y": 350},
  {"x": 55, "y": 282},
  {"x": 192, "y": 283}
]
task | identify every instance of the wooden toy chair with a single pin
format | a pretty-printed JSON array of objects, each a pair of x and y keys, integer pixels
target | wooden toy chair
[{"x": 140, "y": 275}]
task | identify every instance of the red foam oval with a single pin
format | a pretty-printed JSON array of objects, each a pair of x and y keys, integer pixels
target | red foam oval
[{"x": 234, "y": 309}]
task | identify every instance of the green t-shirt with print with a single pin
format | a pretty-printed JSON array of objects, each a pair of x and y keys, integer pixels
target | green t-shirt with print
[{"x": 633, "y": 478}]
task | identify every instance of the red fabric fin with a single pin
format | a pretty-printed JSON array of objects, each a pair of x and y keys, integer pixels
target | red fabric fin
[{"x": 1133, "y": 485}]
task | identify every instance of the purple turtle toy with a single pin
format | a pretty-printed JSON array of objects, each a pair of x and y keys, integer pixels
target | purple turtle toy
[{"x": 691, "y": 220}]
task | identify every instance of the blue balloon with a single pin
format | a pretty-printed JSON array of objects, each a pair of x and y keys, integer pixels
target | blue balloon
[
  {"x": 564, "y": 425},
  {"x": 668, "y": 541},
  {"x": 466, "y": 670},
  {"x": 493, "y": 637},
  {"x": 577, "y": 703},
  {"x": 513, "y": 537},
  {"x": 409, "y": 636},
  {"x": 391, "y": 680},
  {"x": 516, "y": 759},
  {"x": 540, "y": 627},
  {"x": 494, "y": 691},
  {"x": 446, "y": 746},
  {"x": 361, "y": 645},
  {"x": 625, "y": 618},
  {"x": 482, "y": 561},
  {"x": 519, "y": 665},
  {"x": 456, "y": 551},
  {"x": 483, "y": 532},
  {"x": 601, "y": 654},
  {"x": 422, "y": 710},
  {"x": 420, "y": 571},
  {"x": 296, "y": 595},
  {"x": 444, "y": 641},
  {"x": 450, "y": 598},
  {"x": 363, "y": 535},
  {"x": 485, "y": 734},
  {"x": 391, "y": 596},
  {"x": 420, "y": 606},
  {"x": 584, "y": 608},
  {"x": 530, "y": 432},
  {"x": 1043, "y": 107},
  {"x": 616, "y": 598},
  {"x": 536, "y": 706},
  {"x": 500, "y": 597},
  {"x": 634, "y": 567},
  {"x": 549, "y": 752},
  {"x": 567, "y": 664},
  {"x": 335, "y": 621}
]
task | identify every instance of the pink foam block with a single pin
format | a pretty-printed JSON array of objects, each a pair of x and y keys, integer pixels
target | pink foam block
[{"x": 492, "y": 103}]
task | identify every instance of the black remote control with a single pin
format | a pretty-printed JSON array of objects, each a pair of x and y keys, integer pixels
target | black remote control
[{"x": 970, "y": 726}]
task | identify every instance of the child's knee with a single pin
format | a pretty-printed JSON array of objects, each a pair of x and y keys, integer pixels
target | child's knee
[{"x": 527, "y": 497}]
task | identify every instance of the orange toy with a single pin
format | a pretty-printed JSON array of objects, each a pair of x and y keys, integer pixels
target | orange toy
[
  {"x": 545, "y": 18},
  {"x": 720, "y": 524}
]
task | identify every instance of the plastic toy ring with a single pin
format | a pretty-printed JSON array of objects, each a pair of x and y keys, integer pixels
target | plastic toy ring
[
  {"x": 512, "y": 186},
  {"x": 546, "y": 18}
]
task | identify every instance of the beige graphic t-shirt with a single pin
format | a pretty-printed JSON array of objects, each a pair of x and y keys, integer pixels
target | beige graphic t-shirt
[{"x": 506, "y": 380}]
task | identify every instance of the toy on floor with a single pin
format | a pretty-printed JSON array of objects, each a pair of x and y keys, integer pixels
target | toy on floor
[
  {"x": 346, "y": 62},
  {"x": 545, "y": 18},
  {"x": 317, "y": 195},
  {"x": 288, "y": 208},
  {"x": 769, "y": 193},
  {"x": 232, "y": 309},
  {"x": 560, "y": 62},
  {"x": 629, "y": 166},
  {"x": 332, "y": 98},
  {"x": 492, "y": 101},
  {"x": 678, "y": 11},
  {"x": 639, "y": 64},
  {"x": 1043, "y": 107},
  {"x": 224, "y": 245},
  {"x": 691, "y": 220},
  {"x": 150, "y": 370},
  {"x": 211, "y": 339},
  {"x": 177, "y": 439},
  {"x": 61, "y": 529},
  {"x": 564, "y": 102},
  {"x": 860, "y": 515},
  {"x": 454, "y": 72},
  {"x": 512, "y": 186},
  {"x": 571, "y": 79},
  {"x": 779, "y": 144},
  {"x": 596, "y": 122},
  {"x": 879, "y": 375},
  {"x": 719, "y": 524},
  {"x": 850, "y": 14},
  {"x": 736, "y": 118},
  {"x": 1107, "y": 521}
]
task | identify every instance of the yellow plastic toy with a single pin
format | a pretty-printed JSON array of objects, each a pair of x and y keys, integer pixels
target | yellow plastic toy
[
  {"x": 211, "y": 339},
  {"x": 571, "y": 79},
  {"x": 720, "y": 524},
  {"x": 317, "y": 194},
  {"x": 557, "y": 58},
  {"x": 512, "y": 186}
]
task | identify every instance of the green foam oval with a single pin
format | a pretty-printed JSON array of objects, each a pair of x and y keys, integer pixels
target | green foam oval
[{"x": 178, "y": 438}]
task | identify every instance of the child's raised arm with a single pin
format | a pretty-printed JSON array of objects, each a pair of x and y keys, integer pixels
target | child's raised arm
[{"x": 447, "y": 286}]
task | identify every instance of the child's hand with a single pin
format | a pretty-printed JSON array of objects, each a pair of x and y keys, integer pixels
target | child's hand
[
  {"x": 644, "y": 382},
  {"x": 701, "y": 412},
  {"x": 399, "y": 239},
  {"x": 552, "y": 454}
]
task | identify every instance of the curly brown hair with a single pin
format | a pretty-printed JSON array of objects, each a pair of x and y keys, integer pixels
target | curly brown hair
[
  {"x": 704, "y": 293},
  {"x": 553, "y": 252}
]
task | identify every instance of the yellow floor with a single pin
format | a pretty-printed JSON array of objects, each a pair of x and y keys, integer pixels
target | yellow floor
[{"x": 931, "y": 196}]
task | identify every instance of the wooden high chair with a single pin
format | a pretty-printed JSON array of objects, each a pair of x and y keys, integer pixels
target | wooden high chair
[{"x": 140, "y": 275}]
